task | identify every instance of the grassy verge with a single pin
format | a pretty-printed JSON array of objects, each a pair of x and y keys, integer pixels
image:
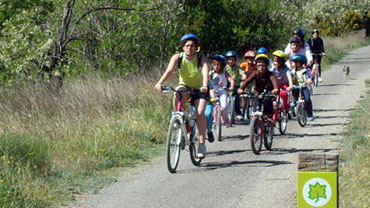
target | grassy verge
[
  {"x": 54, "y": 146},
  {"x": 337, "y": 47},
  {"x": 354, "y": 172}
]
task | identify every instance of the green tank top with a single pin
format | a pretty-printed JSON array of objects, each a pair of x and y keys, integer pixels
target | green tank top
[{"x": 190, "y": 75}]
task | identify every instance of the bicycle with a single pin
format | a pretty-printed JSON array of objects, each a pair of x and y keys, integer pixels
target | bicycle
[
  {"x": 279, "y": 115},
  {"x": 231, "y": 109},
  {"x": 182, "y": 131},
  {"x": 300, "y": 108},
  {"x": 248, "y": 105},
  {"x": 315, "y": 72},
  {"x": 217, "y": 127},
  {"x": 261, "y": 127}
]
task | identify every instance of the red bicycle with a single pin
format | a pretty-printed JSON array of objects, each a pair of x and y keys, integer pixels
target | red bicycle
[
  {"x": 261, "y": 128},
  {"x": 279, "y": 115}
]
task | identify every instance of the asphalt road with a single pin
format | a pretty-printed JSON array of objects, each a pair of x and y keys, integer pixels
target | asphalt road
[{"x": 231, "y": 175}]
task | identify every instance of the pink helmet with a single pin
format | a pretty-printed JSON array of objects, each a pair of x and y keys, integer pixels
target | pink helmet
[{"x": 249, "y": 54}]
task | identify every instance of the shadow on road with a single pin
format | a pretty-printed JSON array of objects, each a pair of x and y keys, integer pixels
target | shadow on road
[
  {"x": 329, "y": 110},
  {"x": 220, "y": 153},
  {"x": 228, "y": 164},
  {"x": 332, "y": 85},
  {"x": 328, "y": 124},
  {"x": 293, "y": 135},
  {"x": 234, "y": 137},
  {"x": 322, "y": 94},
  {"x": 329, "y": 117},
  {"x": 281, "y": 151}
]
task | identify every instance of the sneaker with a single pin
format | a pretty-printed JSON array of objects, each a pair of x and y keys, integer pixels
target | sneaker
[
  {"x": 202, "y": 151},
  {"x": 310, "y": 118},
  {"x": 211, "y": 138},
  {"x": 320, "y": 79},
  {"x": 239, "y": 117}
]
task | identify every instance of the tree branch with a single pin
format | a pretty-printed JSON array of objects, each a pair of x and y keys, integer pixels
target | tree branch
[{"x": 111, "y": 8}]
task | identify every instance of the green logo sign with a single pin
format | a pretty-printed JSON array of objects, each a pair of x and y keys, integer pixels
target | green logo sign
[{"x": 317, "y": 189}]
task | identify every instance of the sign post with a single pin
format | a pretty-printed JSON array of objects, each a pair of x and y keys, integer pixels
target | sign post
[{"x": 317, "y": 180}]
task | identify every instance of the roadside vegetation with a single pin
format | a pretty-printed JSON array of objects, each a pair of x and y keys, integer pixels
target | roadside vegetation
[{"x": 354, "y": 171}]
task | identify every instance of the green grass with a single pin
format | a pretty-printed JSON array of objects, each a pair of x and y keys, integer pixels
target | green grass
[
  {"x": 354, "y": 169},
  {"x": 337, "y": 47}
]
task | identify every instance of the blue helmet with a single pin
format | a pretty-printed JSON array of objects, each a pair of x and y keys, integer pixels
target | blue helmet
[
  {"x": 231, "y": 54},
  {"x": 189, "y": 36},
  {"x": 262, "y": 50},
  {"x": 219, "y": 58},
  {"x": 299, "y": 58}
]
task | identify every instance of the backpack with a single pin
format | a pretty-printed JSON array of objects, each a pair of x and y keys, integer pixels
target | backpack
[{"x": 181, "y": 55}]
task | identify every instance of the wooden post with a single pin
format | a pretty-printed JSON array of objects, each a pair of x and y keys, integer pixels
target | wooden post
[{"x": 317, "y": 180}]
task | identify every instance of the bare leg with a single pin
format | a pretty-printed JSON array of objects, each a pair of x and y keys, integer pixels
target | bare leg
[{"x": 200, "y": 105}]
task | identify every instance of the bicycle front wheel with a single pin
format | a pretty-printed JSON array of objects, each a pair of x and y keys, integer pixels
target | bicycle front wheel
[
  {"x": 194, "y": 143},
  {"x": 175, "y": 140},
  {"x": 218, "y": 125},
  {"x": 283, "y": 122},
  {"x": 256, "y": 135},
  {"x": 232, "y": 109},
  {"x": 301, "y": 115},
  {"x": 268, "y": 137}
]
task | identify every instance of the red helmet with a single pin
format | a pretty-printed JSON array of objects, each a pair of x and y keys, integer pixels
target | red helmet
[{"x": 249, "y": 54}]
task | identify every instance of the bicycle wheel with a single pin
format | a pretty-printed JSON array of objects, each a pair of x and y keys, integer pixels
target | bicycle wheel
[
  {"x": 194, "y": 143},
  {"x": 268, "y": 137},
  {"x": 283, "y": 122},
  {"x": 232, "y": 109},
  {"x": 218, "y": 125},
  {"x": 175, "y": 141},
  {"x": 256, "y": 135},
  {"x": 301, "y": 115},
  {"x": 316, "y": 79}
]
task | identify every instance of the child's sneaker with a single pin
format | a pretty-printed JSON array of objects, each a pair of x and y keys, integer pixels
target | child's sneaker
[
  {"x": 202, "y": 151},
  {"x": 211, "y": 138},
  {"x": 310, "y": 118},
  {"x": 239, "y": 117}
]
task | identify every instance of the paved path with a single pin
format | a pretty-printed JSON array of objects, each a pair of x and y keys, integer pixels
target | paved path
[{"x": 231, "y": 175}]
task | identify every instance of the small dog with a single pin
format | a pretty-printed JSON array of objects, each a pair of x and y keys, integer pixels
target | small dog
[{"x": 346, "y": 71}]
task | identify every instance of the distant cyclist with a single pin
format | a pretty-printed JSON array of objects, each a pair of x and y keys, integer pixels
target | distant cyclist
[
  {"x": 193, "y": 73},
  {"x": 317, "y": 47},
  {"x": 300, "y": 78},
  {"x": 219, "y": 77},
  {"x": 263, "y": 80},
  {"x": 295, "y": 48},
  {"x": 236, "y": 72},
  {"x": 300, "y": 33},
  {"x": 283, "y": 76}
]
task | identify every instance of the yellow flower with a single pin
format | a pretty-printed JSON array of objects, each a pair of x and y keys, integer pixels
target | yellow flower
[
  {"x": 85, "y": 153},
  {"x": 9, "y": 162},
  {"x": 35, "y": 166},
  {"x": 3, "y": 157},
  {"x": 1, "y": 180},
  {"x": 113, "y": 135}
]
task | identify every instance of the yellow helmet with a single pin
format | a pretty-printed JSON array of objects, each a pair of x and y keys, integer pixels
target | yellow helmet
[
  {"x": 280, "y": 54},
  {"x": 262, "y": 56}
]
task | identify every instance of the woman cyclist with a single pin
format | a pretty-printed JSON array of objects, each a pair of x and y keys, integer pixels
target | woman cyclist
[
  {"x": 283, "y": 76},
  {"x": 295, "y": 48},
  {"x": 191, "y": 75},
  {"x": 263, "y": 80}
]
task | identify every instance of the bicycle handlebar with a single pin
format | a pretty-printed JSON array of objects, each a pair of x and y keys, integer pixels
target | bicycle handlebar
[{"x": 180, "y": 90}]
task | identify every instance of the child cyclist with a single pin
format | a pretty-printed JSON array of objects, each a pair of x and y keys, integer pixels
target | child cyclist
[
  {"x": 264, "y": 80},
  {"x": 300, "y": 78},
  {"x": 219, "y": 78},
  {"x": 191, "y": 75},
  {"x": 236, "y": 72},
  {"x": 283, "y": 76},
  {"x": 249, "y": 64}
]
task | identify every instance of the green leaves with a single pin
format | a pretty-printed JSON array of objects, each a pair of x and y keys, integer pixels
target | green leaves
[{"x": 317, "y": 191}]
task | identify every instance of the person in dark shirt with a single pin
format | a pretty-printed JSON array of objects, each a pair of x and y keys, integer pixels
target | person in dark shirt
[
  {"x": 264, "y": 80},
  {"x": 317, "y": 47}
]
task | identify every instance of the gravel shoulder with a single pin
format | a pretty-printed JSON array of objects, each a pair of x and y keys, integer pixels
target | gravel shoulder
[{"x": 231, "y": 175}]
